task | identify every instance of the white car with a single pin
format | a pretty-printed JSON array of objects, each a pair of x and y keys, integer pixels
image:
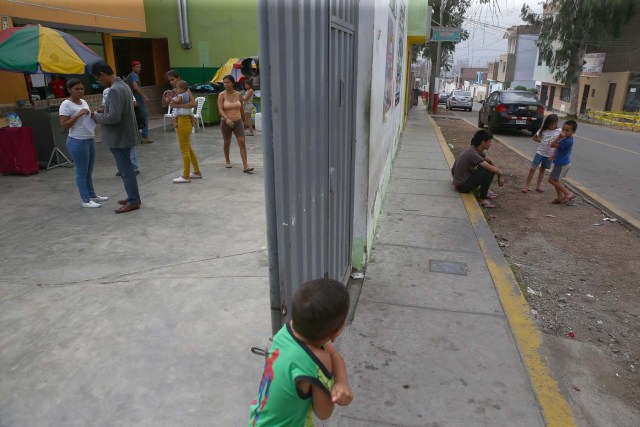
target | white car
[{"x": 460, "y": 99}]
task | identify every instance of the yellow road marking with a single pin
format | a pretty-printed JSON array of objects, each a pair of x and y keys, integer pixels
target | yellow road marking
[{"x": 555, "y": 408}]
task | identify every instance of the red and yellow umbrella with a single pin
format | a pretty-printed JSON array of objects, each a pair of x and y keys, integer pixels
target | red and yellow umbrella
[{"x": 36, "y": 49}]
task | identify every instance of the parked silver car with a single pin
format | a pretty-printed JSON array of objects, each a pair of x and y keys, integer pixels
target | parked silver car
[{"x": 460, "y": 99}]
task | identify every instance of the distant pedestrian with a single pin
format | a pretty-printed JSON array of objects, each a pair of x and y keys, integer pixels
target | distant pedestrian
[
  {"x": 547, "y": 133},
  {"x": 474, "y": 169},
  {"x": 304, "y": 373},
  {"x": 75, "y": 115},
  {"x": 247, "y": 105},
  {"x": 119, "y": 130},
  {"x": 182, "y": 118},
  {"x": 562, "y": 160},
  {"x": 230, "y": 108},
  {"x": 133, "y": 80}
]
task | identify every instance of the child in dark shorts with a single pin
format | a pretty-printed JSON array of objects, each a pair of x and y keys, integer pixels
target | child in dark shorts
[{"x": 563, "y": 144}]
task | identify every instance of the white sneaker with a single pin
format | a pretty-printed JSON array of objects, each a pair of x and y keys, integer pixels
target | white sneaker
[
  {"x": 194, "y": 176},
  {"x": 181, "y": 180},
  {"x": 100, "y": 198},
  {"x": 193, "y": 130},
  {"x": 91, "y": 204}
]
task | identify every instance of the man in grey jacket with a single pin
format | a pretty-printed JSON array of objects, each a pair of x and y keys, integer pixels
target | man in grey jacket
[{"x": 119, "y": 130}]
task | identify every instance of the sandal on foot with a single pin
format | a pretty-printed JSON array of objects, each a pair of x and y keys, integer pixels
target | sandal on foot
[
  {"x": 487, "y": 204},
  {"x": 569, "y": 198},
  {"x": 539, "y": 190},
  {"x": 227, "y": 165},
  {"x": 525, "y": 189},
  {"x": 492, "y": 195},
  {"x": 248, "y": 170}
]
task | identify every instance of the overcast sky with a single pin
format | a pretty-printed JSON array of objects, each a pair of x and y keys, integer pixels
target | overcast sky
[{"x": 486, "y": 27}]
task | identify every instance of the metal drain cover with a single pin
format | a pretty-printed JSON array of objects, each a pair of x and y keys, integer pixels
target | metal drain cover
[{"x": 448, "y": 267}]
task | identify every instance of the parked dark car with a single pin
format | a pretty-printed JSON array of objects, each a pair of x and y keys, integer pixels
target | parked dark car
[
  {"x": 442, "y": 98},
  {"x": 512, "y": 109}
]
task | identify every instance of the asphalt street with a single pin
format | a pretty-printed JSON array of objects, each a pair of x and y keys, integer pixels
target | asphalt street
[{"x": 603, "y": 160}]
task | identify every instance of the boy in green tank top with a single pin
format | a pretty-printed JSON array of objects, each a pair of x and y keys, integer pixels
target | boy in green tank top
[{"x": 304, "y": 373}]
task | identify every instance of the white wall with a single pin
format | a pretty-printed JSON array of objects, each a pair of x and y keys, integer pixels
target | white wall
[
  {"x": 525, "y": 61},
  {"x": 542, "y": 73},
  {"x": 377, "y": 130}
]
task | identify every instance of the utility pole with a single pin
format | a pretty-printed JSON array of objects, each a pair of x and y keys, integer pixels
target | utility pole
[{"x": 435, "y": 70}]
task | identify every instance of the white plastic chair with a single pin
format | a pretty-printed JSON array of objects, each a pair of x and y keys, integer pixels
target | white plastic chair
[
  {"x": 198, "y": 113},
  {"x": 169, "y": 116}
]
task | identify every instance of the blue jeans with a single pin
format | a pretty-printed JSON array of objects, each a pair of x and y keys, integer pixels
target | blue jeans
[
  {"x": 134, "y": 158},
  {"x": 144, "y": 131},
  {"x": 123, "y": 161},
  {"x": 83, "y": 153}
]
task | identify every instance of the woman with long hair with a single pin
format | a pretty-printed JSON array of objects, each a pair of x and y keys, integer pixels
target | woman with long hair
[
  {"x": 184, "y": 126},
  {"x": 75, "y": 116},
  {"x": 230, "y": 108}
]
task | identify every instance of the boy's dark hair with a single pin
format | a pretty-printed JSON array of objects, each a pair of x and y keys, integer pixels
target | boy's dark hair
[
  {"x": 230, "y": 77},
  {"x": 72, "y": 82},
  {"x": 480, "y": 136},
  {"x": 248, "y": 82},
  {"x": 101, "y": 67},
  {"x": 319, "y": 308},
  {"x": 183, "y": 85},
  {"x": 573, "y": 124}
]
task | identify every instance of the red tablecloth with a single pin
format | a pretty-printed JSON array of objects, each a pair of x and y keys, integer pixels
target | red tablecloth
[{"x": 17, "y": 151}]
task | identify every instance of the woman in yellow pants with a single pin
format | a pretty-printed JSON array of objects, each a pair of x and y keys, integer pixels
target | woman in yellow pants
[{"x": 183, "y": 129}]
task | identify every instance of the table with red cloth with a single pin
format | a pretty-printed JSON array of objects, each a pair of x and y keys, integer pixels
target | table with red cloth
[{"x": 18, "y": 153}]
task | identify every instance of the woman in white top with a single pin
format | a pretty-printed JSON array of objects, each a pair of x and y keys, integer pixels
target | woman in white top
[{"x": 76, "y": 116}]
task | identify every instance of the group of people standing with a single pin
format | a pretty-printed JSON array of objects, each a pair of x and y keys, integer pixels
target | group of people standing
[{"x": 121, "y": 130}]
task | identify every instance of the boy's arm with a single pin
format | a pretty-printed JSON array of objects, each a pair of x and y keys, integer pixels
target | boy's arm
[
  {"x": 556, "y": 140},
  {"x": 341, "y": 392},
  {"x": 322, "y": 404}
]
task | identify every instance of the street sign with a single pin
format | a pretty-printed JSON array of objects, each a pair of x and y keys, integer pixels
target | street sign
[{"x": 445, "y": 34}]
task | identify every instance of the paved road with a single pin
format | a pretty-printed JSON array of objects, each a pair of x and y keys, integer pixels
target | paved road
[{"x": 606, "y": 161}]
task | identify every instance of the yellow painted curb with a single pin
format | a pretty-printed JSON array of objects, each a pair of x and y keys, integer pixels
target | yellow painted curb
[{"x": 555, "y": 408}]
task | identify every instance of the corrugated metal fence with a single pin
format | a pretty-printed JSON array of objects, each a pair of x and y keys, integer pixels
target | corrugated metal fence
[{"x": 307, "y": 64}]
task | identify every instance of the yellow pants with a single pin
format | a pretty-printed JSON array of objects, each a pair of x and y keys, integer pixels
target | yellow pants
[{"x": 188, "y": 156}]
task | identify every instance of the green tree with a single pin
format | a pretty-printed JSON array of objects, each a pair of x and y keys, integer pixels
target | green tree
[{"x": 567, "y": 29}]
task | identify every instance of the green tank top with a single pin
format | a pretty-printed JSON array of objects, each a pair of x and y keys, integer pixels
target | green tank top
[{"x": 279, "y": 402}]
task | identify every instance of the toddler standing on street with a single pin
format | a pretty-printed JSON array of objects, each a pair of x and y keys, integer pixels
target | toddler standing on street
[
  {"x": 304, "y": 374},
  {"x": 561, "y": 162},
  {"x": 547, "y": 133}
]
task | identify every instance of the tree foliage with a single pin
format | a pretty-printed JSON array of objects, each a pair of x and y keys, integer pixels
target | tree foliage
[{"x": 569, "y": 27}]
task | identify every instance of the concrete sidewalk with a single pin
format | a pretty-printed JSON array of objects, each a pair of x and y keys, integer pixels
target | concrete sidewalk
[
  {"x": 430, "y": 343},
  {"x": 140, "y": 319},
  {"x": 147, "y": 318}
]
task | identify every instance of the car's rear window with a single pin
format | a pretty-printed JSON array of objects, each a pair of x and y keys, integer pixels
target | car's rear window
[
  {"x": 518, "y": 97},
  {"x": 461, "y": 93}
]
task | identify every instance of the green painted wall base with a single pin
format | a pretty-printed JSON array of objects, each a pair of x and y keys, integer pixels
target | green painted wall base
[{"x": 359, "y": 253}]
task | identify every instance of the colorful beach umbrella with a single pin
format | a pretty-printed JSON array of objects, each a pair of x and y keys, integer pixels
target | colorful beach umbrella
[{"x": 35, "y": 49}]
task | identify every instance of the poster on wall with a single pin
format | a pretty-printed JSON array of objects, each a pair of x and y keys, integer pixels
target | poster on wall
[
  {"x": 401, "y": 35},
  {"x": 388, "y": 74}
]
